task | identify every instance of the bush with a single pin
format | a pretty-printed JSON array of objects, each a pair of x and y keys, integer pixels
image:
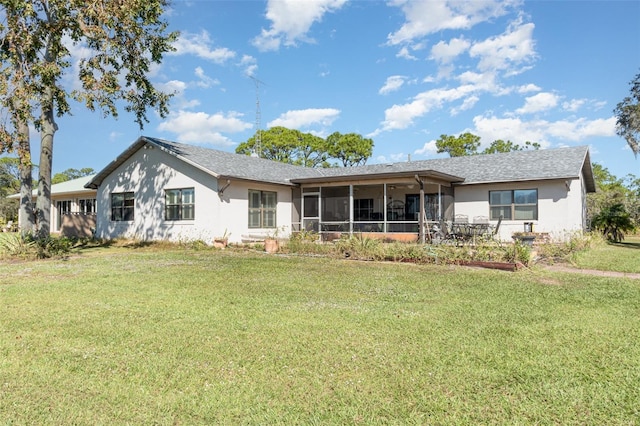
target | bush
[
  {"x": 566, "y": 251},
  {"x": 29, "y": 247}
]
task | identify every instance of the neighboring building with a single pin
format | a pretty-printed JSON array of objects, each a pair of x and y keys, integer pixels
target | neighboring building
[
  {"x": 161, "y": 190},
  {"x": 73, "y": 207}
]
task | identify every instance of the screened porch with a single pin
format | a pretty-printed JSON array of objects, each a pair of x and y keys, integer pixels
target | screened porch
[{"x": 386, "y": 210}]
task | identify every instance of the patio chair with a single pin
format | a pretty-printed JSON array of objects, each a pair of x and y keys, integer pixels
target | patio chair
[
  {"x": 461, "y": 218},
  {"x": 497, "y": 228},
  {"x": 481, "y": 219}
]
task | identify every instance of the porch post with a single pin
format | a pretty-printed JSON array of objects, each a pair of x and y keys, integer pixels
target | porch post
[
  {"x": 422, "y": 212},
  {"x": 350, "y": 209},
  {"x": 439, "y": 201}
]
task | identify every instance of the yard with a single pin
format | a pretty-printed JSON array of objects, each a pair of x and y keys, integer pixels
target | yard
[{"x": 171, "y": 335}]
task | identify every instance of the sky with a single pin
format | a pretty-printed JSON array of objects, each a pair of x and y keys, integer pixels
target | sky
[{"x": 401, "y": 72}]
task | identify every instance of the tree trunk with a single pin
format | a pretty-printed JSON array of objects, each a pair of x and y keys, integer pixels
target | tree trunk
[
  {"x": 47, "y": 131},
  {"x": 26, "y": 219}
]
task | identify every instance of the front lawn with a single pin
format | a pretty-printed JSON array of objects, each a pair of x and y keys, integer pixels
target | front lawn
[
  {"x": 182, "y": 336},
  {"x": 622, "y": 257}
]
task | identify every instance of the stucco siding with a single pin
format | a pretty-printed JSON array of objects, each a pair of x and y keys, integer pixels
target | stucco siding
[
  {"x": 559, "y": 206},
  {"x": 149, "y": 172},
  {"x": 235, "y": 214}
]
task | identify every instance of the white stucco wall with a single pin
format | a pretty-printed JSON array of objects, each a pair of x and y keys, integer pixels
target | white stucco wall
[
  {"x": 149, "y": 172},
  {"x": 560, "y": 206}
]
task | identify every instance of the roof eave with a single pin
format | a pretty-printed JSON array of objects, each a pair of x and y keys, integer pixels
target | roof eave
[{"x": 376, "y": 176}]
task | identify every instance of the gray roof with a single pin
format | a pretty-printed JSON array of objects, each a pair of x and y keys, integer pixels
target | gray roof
[
  {"x": 561, "y": 163},
  {"x": 220, "y": 164},
  {"x": 516, "y": 166}
]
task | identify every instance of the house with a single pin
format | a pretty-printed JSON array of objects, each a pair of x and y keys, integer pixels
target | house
[
  {"x": 161, "y": 190},
  {"x": 73, "y": 207}
]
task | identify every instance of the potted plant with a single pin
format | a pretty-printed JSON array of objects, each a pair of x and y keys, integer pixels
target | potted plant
[
  {"x": 271, "y": 244},
  {"x": 223, "y": 241}
]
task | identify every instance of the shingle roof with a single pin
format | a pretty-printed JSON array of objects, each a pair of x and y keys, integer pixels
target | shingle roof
[
  {"x": 220, "y": 164},
  {"x": 562, "y": 163},
  {"x": 544, "y": 164}
]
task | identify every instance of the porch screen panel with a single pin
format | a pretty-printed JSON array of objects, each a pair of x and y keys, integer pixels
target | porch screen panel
[
  {"x": 335, "y": 204},
  {"x": 311, "y": 213}
]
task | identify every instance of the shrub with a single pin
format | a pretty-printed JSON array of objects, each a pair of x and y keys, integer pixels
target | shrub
[{"x": 29, "y": 247}]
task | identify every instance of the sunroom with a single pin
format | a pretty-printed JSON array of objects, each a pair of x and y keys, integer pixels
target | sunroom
[{"x": 399, "y": 206}]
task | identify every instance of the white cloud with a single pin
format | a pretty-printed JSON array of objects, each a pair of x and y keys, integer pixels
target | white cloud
[
  {"x": 402, "y": 116},
  {"x": 393, "y": 83},
  {"x": 303, "y": 118},
  {"x": 490, "y": 128},
  {"x": 427, "y": 149},
  {"x": 203, "y": 128},
  {"x": 573, "y": 105},
  {"x": 204, "y": 81},
  {"x": 467, "y": 104},
  {"x": 178, "y": 88},
  {"x": 528, "y": 88},
  {"x": 405, "y": 54},
  {"x": 291, "y": 20},
  {"x": 250, "y": 65},
  {"x": 539, "y": 102},
  {"x": 513, "y": 48},
  {"x": 200, "y": 46},
  {"x": 444, "y": 52},
  {"x": 428, "y": 17}
]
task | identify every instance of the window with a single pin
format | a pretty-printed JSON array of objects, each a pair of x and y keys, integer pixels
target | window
[
  {"x": 179, "y": 204},
  {"x": 87, "y": 206},
  {"x": 122, "y": 206},
  {"x": 519, "y": 204},
  {"x": 262, "y": 209}
]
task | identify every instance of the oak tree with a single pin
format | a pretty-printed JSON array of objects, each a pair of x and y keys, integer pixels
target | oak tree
[
  {"x": 350, "y": 149},
  {"x": 121, "y": 40},
  {"x": 628, "y": 117}
]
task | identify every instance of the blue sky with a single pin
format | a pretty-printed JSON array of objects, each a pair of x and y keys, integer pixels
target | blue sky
[{"x": 400, "y": 72}]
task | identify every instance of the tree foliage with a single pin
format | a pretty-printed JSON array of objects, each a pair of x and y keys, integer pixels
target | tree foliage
[
  {"x": 286, "y": 146},
  {"x": 613, "y": 221},
  {"x": 304, "y": 149},
  {"x": 500, "y": 145},
  {"x": 71, "y": 174},
  {"x": 9, "y": 184},
  {"x": 121, "y": 40},
  {"x": 468, "y": 144},
  {"x": 351, "y": 149},
  {"x": 458, "y": 146},
  {"x": 628, "y": 117}
]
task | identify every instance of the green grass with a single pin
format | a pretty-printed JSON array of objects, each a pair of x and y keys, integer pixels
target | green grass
[
  {"x": 622, "y": 257},
  {"x": 175, "y": 336}
]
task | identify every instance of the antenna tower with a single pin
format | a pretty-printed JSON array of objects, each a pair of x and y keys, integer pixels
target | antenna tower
[{"x": 258, "y": 146}]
